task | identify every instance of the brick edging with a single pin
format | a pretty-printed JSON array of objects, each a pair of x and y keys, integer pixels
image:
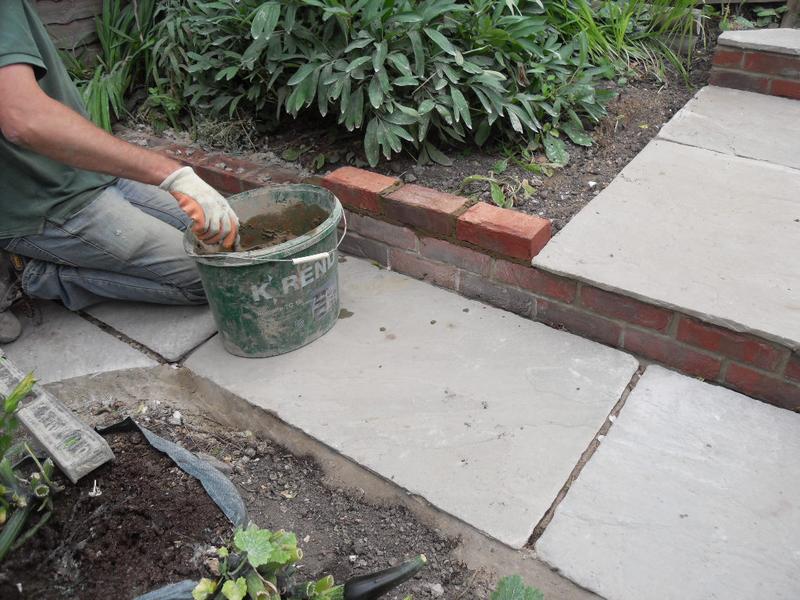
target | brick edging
[
  {"x": 485, "y": 254},
  {"x": 756, "y": 71}
]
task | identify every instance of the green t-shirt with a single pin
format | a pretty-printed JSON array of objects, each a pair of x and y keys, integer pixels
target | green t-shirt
[{"x": 34, "y": 188}]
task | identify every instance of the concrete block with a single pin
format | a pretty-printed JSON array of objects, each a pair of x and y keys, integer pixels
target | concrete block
[
  {"x": 479, "y": 411},
  {"x": 694, "y": 494},
  {"x": 780, "y": 41}
]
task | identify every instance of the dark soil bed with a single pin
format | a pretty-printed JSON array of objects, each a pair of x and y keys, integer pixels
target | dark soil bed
[
  {"x": 153, "y": 524},
  {"x": 149, "y": 527}
]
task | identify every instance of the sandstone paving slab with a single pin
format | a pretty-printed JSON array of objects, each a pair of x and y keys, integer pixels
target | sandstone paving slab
[
  {"x": 170, "y": 331},
  {"x": 64, "y": 345},
  {"x": 481, "y": 412},
  {"x": 739, "y": 123},
  {"x": 711, "y": 235},
  {"x": 693, "y": 495},
  {"x": 780, "y": 41}
]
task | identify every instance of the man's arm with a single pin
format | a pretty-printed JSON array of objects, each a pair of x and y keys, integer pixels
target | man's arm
[{"x": 31, "y": 119}]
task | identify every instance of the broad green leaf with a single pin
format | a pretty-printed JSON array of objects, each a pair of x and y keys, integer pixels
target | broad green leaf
[
  {"x": 371, "y": 142},
  {"x": 419, "y": 52},
  {"x": 375, "y": 93},
  {"x": 441, "y": 41},
  {"x": 400, "y": 63},
  {"x": 576, "y": 133},
  {"x": 514, "y": 588},
  {"x": 359, "y": 43},
  {"x": 482, "y": 133},
  {"x": 438, "y": 156},
  {"x": 256, "y": 542},
  {"x": 235, "y": 590},
  {"x": 555, "y": 150},
  {"x": 378, "y": 59},
  {"x": 404, "y": 81},
  {"x": 204, "y": 589},
  {"x": 500, "y": 167},
  {"x": 302, "y": 73},
  {"x": 265, "y": 20},
  {"x": 498, "y": 197},
  {"x": 460, "y": 102},
  {"x": 358, "y": 62}
]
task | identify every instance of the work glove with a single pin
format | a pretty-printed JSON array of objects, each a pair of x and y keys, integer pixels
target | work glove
[{"x": 214, "y": 221}]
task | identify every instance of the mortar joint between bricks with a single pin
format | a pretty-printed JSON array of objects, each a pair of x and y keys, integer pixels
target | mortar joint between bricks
[
  {"x": 723, "y": 370},
  {"x": 783, "y": 364}
]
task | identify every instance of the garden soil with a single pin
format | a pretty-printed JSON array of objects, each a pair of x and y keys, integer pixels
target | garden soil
[{"x": 158, "y": 524}]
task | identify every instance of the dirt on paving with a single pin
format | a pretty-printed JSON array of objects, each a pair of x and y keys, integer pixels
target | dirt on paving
[{"x": 142, "y": 540}]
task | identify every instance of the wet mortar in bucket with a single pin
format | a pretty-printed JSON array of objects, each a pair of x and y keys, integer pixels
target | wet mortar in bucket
[{"x": 280, "y": 290}]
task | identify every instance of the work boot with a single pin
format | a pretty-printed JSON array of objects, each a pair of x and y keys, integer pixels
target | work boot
[{"x": 10, "y": 292}]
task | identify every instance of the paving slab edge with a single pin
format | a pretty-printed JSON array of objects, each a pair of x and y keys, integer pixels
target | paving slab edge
[{"x": 500, "y": 269}]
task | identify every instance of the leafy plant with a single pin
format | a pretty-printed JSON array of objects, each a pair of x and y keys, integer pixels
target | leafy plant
[
  {"x": 259, "y": 565},
  {"x": 19, "y": 494},
  {"x": 514, "y": 588},
  {"x": 412, "y": 75}
]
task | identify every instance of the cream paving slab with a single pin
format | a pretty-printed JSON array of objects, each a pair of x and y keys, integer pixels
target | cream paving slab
[
  {"x": 63, "y": 345},
  {"x": 694, "y": 494},
  {"x": 170, "y": 331},
  {"x": 740, "y": 124},
  {"x": 479, "y": 411},
  {"x": 714, "y": 236}
]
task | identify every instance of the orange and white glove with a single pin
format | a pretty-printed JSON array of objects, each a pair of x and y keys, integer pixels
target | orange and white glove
[{"x": 214, "y": 219}]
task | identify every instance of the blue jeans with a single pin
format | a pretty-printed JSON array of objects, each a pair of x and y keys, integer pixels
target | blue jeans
[{"x": 125, "y": 245}]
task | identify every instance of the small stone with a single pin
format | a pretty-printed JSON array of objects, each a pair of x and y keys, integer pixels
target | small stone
[
  {"x": 250, "y": 452},
  {"x": 409, "y": 178},
  {"x": 436, "y": 590},
  {"x": 176, "y": 418},
  {"x": 592, "y": 184}
]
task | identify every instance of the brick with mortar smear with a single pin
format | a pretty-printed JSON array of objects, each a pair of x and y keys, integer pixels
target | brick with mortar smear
[
  {"x": 759, "y": 385},
  {"x": 424, "y": 208},
  {"x": 220, "y": 179},
  {"x": 728, "y": 58},
  {"x": 357, "y": 188},
  {"x": 739, "y": 81},
  {"x": 793, "y": 367},
  {"x": 506, "y": 232},
  {"x": 579, "y": 322},
  {"x": 187, "y": 156},
  {"x": 420, "y": 268},
  {"x": 787, "y": 67},
  {"x": 394, "y": 235},
  {"x": 535, "y": 280},
  {"x": 738, "y": 346},
  {"x": 459, "y": 256},
  {"x": 672, "y": 353},
  {"x": 361, "y": 247},
  {"x": 507, "y": 298},
  {"x": 270, "y": 175},
  {"x": 785, "y": 89},
  {"x": 624, "y": 308}
]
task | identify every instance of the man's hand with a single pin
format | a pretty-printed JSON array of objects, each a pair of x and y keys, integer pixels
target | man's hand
[{"x": 214, "y": 219}]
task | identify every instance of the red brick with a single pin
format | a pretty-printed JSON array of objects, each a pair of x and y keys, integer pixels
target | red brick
[
  {"x": 793, "y": 367},
  {"x": 459, "y": 256},
  {"x": 728, "y": 58},
  {"x": 187, "y": 156},
  {"x": 760, "y": 385},
  {"x": 740, "y": 347},
  {"x": 507, "y": 232},
  {"x": 357, "y": 188},
  {"x": 264, "y": 176},
  {"x": 396, "y": 236},
  {"x": 356, "y": 245},
  {"x": 781, "y": 65},
  {"x": 627, "y": 309},
  {"x": 787, "y": 89},
  {"x": 225, "y": 173},
  {"x": 424, "y": 208},
  {"x": 672, "y": 353},
  {"x": 535, "y": 280},
  {"x": 420, "y": 268},
  {"x": 507, "y": 298},
  {"x": 577, "y": 321},
  {"x": 739, "y": 81}
]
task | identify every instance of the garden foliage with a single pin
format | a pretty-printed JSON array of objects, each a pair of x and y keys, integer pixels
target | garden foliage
[{"x": 416, "y": 76}]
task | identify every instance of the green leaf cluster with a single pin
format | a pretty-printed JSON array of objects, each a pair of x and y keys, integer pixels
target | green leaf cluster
[{"x": 514, "y": 588}]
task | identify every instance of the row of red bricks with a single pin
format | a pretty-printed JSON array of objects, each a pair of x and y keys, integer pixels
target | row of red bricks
[
  {"x": 439, "y": 238},
  {"x": 762, "y": 72}
]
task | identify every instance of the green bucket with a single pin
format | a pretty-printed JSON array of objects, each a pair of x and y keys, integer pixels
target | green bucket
[{"x": 274, "y": 300}]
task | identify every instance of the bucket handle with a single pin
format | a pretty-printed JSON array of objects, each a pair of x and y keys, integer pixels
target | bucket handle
[{"x": 315, "y": 257}]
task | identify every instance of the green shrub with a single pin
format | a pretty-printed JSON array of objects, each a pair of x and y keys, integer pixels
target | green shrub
[{"x": 419, "y": 75}]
